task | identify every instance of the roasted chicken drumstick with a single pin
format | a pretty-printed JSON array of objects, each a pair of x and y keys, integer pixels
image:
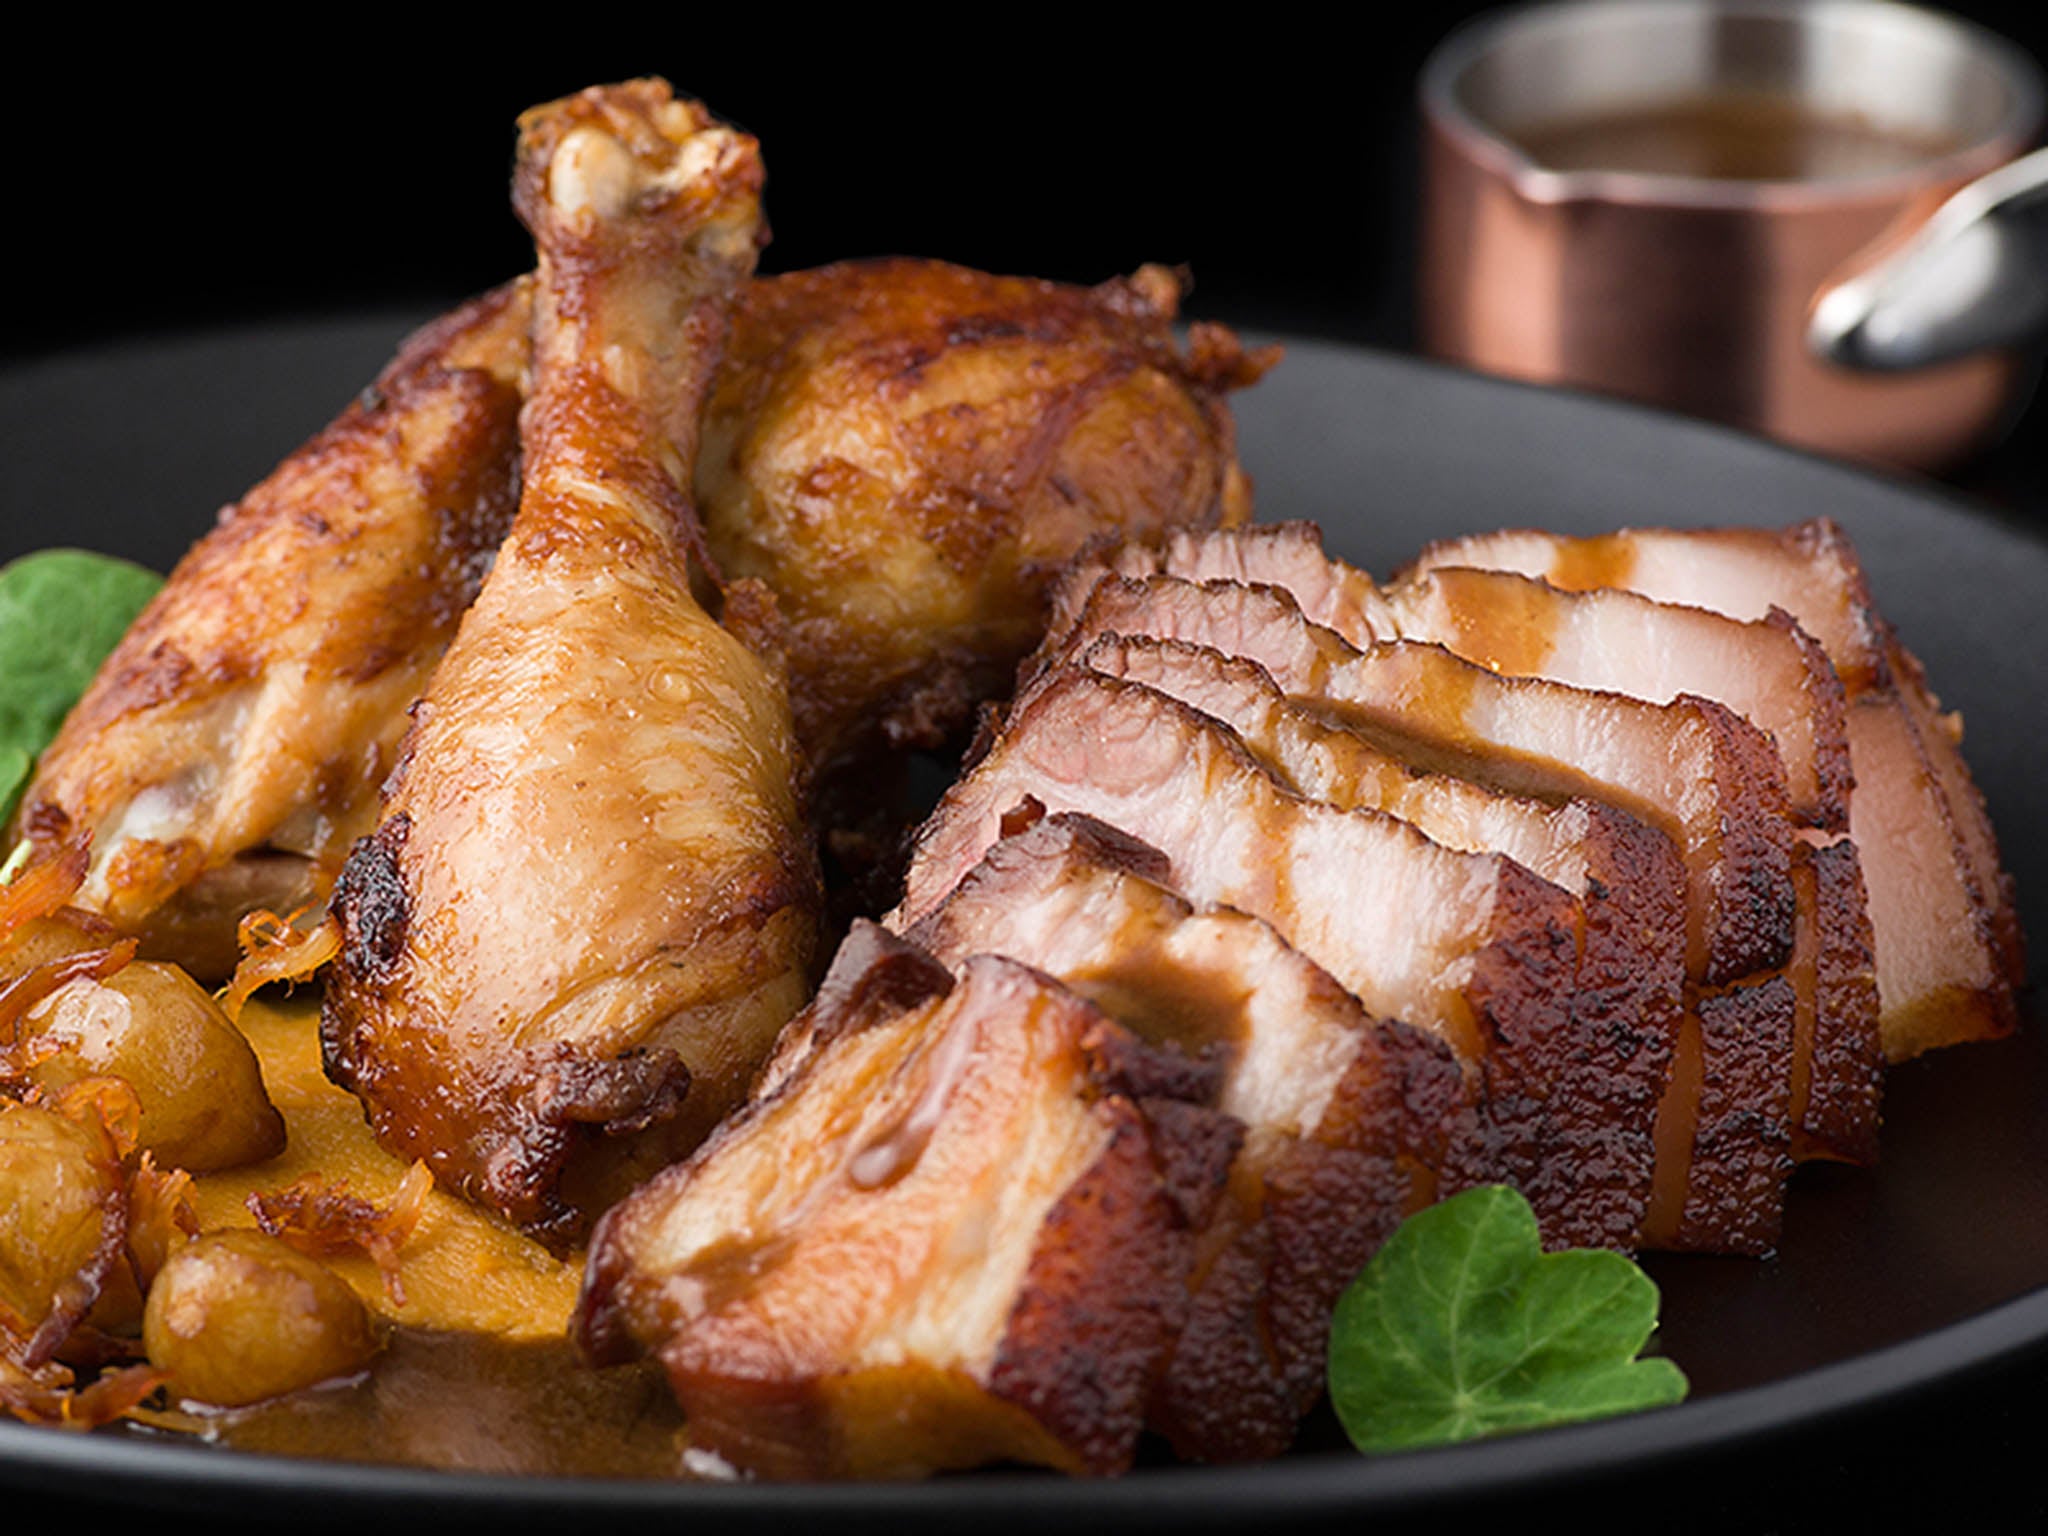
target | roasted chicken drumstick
[{"x": 590, "y": 904}]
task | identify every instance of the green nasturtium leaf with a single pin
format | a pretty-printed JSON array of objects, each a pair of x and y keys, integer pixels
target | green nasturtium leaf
[
  {"x": 1461, "y": 1326},
  {"x": 61, "y": 612}
]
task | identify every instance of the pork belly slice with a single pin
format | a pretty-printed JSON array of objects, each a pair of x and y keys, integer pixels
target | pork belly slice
[
  {"x": 1774, "y": 675},
  {"x": 1809, "y": 570},
  {"x": 1767, "y": 670},
  {"x": 1692, "y": 768},
  {"x": 1629, "y": 994},
  {"x": 1678, "y": 1165},
  {"x": 1927, "y": 843},
  {"x": 955, "y": 1232},
  {"x": 1471, "y": 947},
  {"x": 1347, "y": 1118},
  {"x": 1285, "y": 555},
  {"x": 1939, "y": 980}
]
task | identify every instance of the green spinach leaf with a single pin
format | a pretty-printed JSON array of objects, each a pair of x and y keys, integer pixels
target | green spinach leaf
[
  {"x": 61, "y": 612},
  {"x": 1461, "y": 1326}
]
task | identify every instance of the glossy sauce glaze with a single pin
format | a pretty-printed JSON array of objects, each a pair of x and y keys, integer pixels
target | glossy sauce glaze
[{"x": 476, "y": 1372}]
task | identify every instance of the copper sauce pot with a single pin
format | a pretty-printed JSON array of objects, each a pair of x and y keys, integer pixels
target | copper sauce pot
[{"x": 1747, "y": 301}]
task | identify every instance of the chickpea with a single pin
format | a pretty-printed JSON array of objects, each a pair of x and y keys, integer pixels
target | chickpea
[
  {"x": 203, "y": 1102},
  {"x": 66, "y": 931},
  {"x": 62, "y": 1215},
  {"x": 238, "y": 1316}
]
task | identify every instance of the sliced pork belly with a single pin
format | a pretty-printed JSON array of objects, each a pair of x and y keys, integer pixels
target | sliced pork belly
[
  {"x": 954, "y": 1232},
  {"x": 1693, "y": 768},
  {"x": 1939, "y": 976},
  {"x": 1472, "y": 947},
  {"x": 1774, "y": 675},
  {"x": 1767, "y": 670},
  {"x": 1629, "y": 996},
  {"x": 1286, "y": 555},
  {"x": 1809, "y": 571},
  {"x": 1347, "y": 1118},
  {"x": 1928, "y": 849}
]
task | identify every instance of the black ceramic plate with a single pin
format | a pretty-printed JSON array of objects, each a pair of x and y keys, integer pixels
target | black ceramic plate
[{"x": 1889, "y": 1351}]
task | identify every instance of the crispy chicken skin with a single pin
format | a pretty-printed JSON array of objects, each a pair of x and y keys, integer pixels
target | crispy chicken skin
[
  {"x": 591, "y": 902},
  {"x": 229, "y": 751},
  {"x": 905, "y": 451}
]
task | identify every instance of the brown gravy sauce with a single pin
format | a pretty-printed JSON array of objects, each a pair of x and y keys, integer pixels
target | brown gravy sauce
[
  {"x": 472, "y": 1403},
  {"x": 1730, "y": 136}
]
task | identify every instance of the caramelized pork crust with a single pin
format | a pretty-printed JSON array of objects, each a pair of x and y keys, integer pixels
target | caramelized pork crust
[
  {"x": 229, "y": 751},
  {"x": 958, "y": 1232},
  {"x": 591, "y": 903},
  {"x": 905, "y": 451}
]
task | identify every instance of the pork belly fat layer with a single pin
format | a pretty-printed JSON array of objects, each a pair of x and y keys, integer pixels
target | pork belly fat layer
[
  {"x": 1471, "y": 947},
  {"x": 1347, "y": 1118},
  {"x": 955, "y": 1234},
  {"x": 1628, "y": 992}
]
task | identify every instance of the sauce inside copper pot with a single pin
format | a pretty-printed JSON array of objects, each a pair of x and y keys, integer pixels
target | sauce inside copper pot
[{"x": 1729, "y": 136}]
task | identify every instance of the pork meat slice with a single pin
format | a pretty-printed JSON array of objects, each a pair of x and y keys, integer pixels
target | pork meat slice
[
  {"x": 1691, "y": 767},
  {"x": 1286, "y": 555},
  {"x": 1949, "y": 948},
  {"x": 1687, "y": 1167},
  {"x": 1774, "y": 675},
  {"x": 957, "y": 1230},
  {"x": 1628, "y": 1000},
  {"x": 1347, "y": 1118},
  {"x": 1767, "y": 670},
  {"x": 1471, "y": 947}
]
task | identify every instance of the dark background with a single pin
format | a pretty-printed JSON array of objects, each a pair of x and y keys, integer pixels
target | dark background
[
  {"x": 180, "y": 177},
  {"x": 194, "y": 179},
  {"x": 191, "y": 180}
]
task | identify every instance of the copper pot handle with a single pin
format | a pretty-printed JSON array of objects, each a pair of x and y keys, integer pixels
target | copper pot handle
[{"x": 1973, "y": 277}]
